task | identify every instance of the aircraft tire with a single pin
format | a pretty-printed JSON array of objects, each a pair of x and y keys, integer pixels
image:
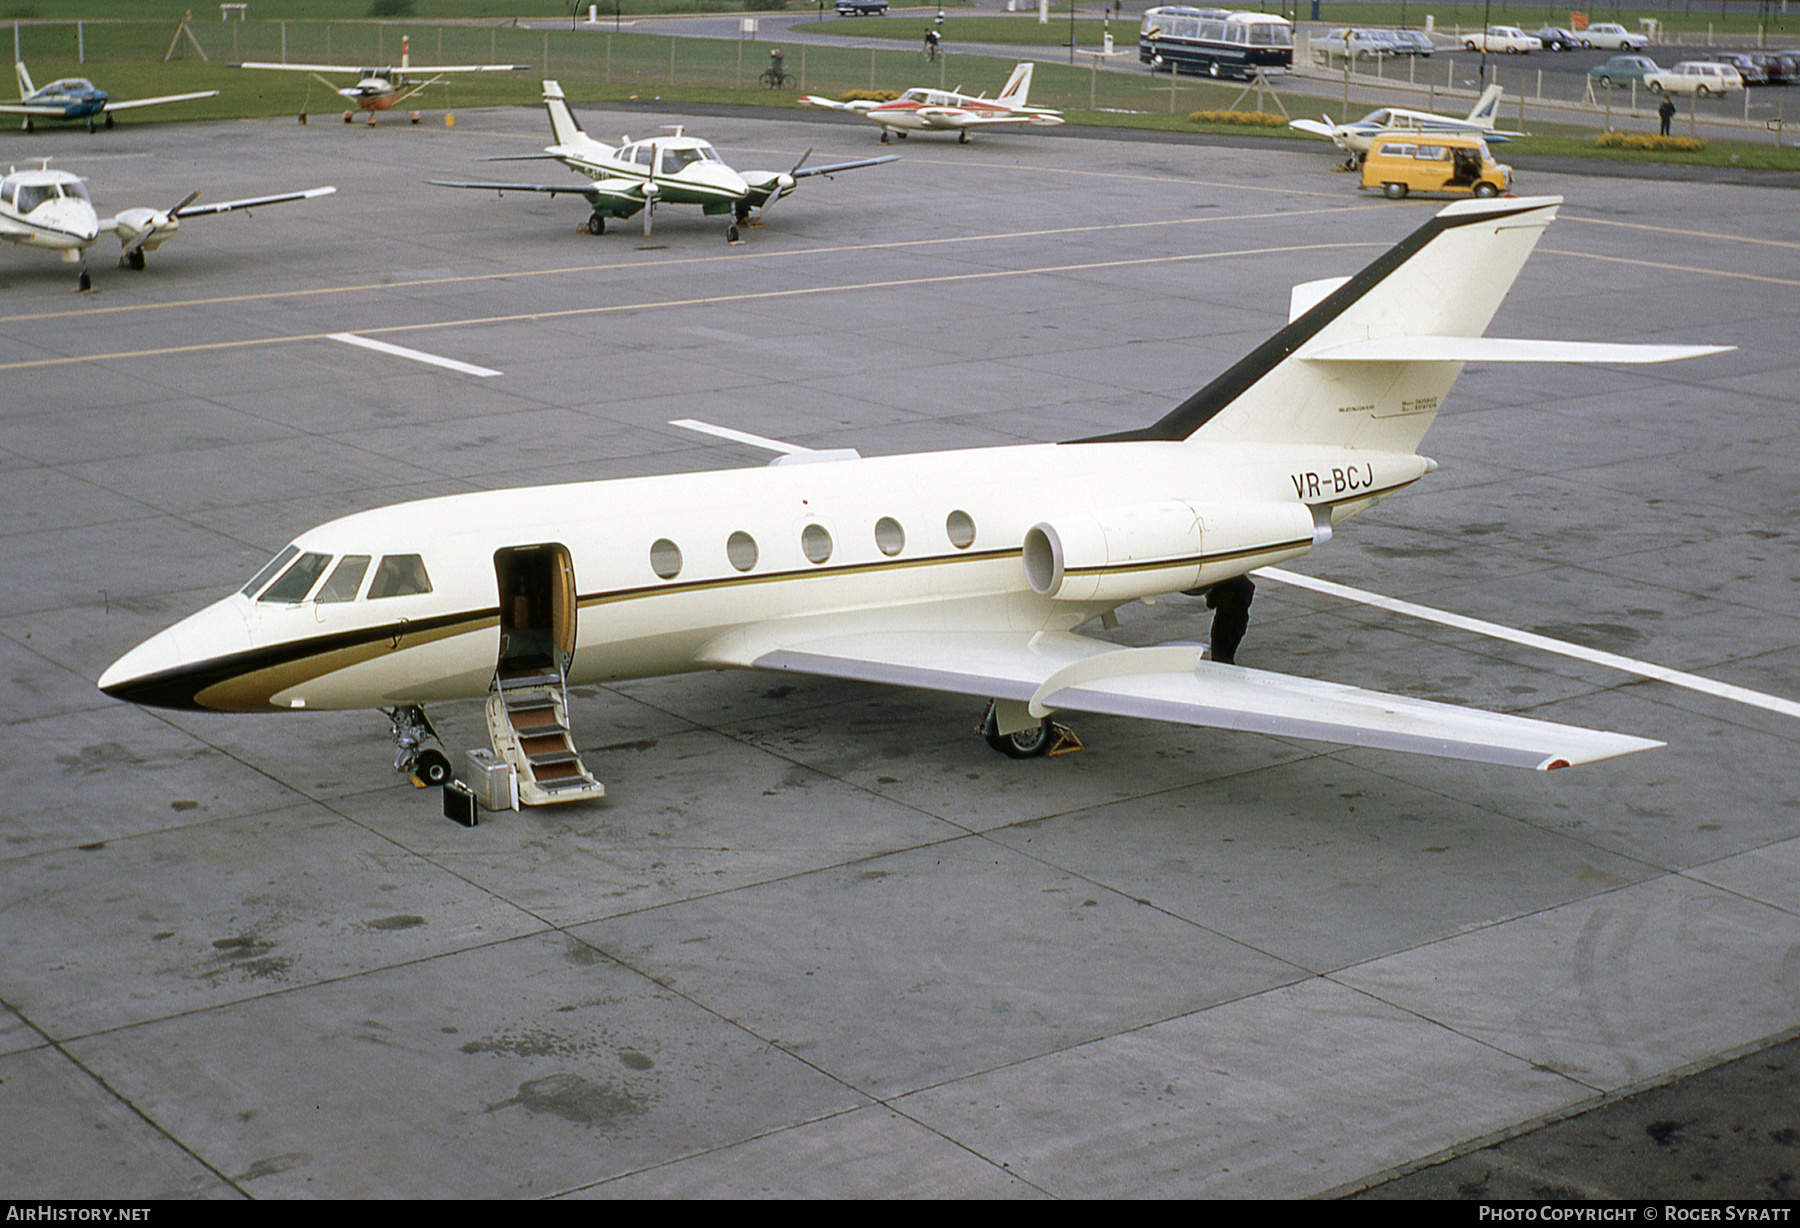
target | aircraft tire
[
  {"x": 596, "y": 225},
  {"x": 432, "y": 768},
  {"x": 109, "y": 121},
  {"x": 135, "y": 260},
  {"x": 1025, "y": 744}
]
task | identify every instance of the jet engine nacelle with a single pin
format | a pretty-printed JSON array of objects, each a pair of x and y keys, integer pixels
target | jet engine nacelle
[{"x": 1146, "y": 549}]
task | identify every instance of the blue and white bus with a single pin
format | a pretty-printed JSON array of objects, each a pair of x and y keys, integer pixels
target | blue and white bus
[{"x": 1215, "y": 42}]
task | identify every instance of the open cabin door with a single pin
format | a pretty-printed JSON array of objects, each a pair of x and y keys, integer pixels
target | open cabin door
[
  {"x": 537, "y": 609},
  {"x": 528, "y": 705}
]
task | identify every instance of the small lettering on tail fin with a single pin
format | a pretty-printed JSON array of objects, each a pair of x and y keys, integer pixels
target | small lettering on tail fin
[
  {"x": 26, "y": 88},
  {"x": 1486, "y": 107},
  {"x": 1018, "y": 86},
  {"x": 563, "y": 124}
]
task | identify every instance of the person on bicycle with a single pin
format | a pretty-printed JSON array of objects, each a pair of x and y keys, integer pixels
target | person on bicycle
[
  {"x": 931, "y": 43},
  {"x": 775, "y": 64}
]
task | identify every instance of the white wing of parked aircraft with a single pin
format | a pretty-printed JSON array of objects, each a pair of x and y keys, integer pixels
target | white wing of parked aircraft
[
  {"x": 51, "y": 209},
  {"x": 973, "y": 572},
  {"x": 77, "y": 98},
  {"x": 1354, "y": 138},
  {"x": 923, "y": 109},
  {"x": 382, "y": 89}
]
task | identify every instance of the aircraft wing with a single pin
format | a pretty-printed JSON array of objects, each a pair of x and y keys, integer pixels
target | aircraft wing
[
  {"x": 304, "y": 67},
  {"x": 127, "y": 104},
  {"x": 859, "y": 107},
  {"x": 22, "y": 108},
  {"x": 835, "y": 167},
  {"x": 1327, "y": 130},
  {"x": 251, "y": 202},
  {"x": 1054, "y": 671},
  {"x": 614, "y": 188}
]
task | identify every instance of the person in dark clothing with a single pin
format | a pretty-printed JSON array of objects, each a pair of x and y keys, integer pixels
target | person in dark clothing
[
  {"x": 1230, "y": 603},
  {"x": 1667, "y": 111}
]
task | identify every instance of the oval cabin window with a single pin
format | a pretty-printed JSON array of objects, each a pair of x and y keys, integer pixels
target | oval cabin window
[
  {"x": 740, "y": 548},
  {"x": 890, "y": 538},
  {"x": 961, "y": 528},
  {"x": 665, "y": 558},
  {"x": 815, "y": 543}
]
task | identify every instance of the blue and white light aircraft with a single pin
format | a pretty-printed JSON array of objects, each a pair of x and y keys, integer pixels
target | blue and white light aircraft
[{"x": 77, "y": 98}]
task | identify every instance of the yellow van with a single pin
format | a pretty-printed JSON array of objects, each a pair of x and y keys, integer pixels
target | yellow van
[{"x": 1400, "y": 162}]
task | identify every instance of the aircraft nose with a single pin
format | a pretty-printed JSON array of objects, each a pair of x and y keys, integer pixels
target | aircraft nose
[
  {"x": 726, "y": 179},
  {"x": 172, "y": 667}
]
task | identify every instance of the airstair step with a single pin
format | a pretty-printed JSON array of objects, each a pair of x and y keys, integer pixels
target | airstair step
[
  {"x": 566, "y": 782},
  {"x": 552, "y": 758}
]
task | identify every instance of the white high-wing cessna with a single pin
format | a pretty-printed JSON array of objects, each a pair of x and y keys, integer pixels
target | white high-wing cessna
[
  {"x": 1354, "y": 138},
  {"x": 52, "y": 209},
  {"x": 640, "y": 175},
  {"x": 74, "y": 98},
  {"x": 930, "y": 110},
  {"x": 381, "y": 89},
  {"x": 965, "y": 571}
]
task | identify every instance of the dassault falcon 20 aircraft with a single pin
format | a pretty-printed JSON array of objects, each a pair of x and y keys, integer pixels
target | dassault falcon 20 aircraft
[
  {"x": 966, "y": 571},
  {"x": 923, "y": 109},
  {"x": 640, "y": 175}
]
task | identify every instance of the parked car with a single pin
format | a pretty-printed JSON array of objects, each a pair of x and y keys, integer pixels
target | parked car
[
  {"x": 1403, "y": 162},
  {"x": 1413, "y": 42},
  {"x": 1612, "y": 36},
  {"x": 1701, "y": 78},
  {"x": 1622, "y": 71},
  {"x": 1357, "y": 44},
  {"x": 862, "y": 8},
  {"x": 1555, "y": 38},
  {"x": 1780, "y": 67},
  {"x": 1509, "y": 39},
  {"x": 1748, "y": 68}
]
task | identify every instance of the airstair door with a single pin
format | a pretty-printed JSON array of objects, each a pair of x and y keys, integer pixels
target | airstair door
[{"x": 528, "y": 705}]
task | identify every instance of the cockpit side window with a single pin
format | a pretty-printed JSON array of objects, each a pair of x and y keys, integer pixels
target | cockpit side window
[
  {"x": 674, "y": 159},
  {"x": 31, "y": 195},
  {"x": 400, "y": 575},
  {"x": 297, "y": 581},
  {"x": 345, "y": 579},
  {"x": 268, "y": 573}
]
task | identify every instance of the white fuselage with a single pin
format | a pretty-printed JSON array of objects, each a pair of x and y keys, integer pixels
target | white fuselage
[{"x": 242, "y": 654}]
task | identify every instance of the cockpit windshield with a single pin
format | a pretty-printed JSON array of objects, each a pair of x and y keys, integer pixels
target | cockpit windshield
[{"x": 31, "y": 195}]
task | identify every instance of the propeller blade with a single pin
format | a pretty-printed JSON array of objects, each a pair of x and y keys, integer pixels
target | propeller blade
[
  {"x": 803, "y": 158},
  {"x": 187, "y": 200}
]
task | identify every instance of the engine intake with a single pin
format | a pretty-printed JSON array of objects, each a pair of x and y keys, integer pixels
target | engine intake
[{"x": 1142, "y": 550}]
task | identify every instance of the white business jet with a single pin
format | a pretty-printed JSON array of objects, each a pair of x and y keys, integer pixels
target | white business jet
[
  {"x": 77, "y": 98},
  {"x": 52, "y": 210},
  {"x": 923, "y": 109},
  {"x": 639, "y": 176},
  {"x": 1356, "y": 137},
  {"x": 966, "y": 571},
  {"x": 381, "y": 89}
]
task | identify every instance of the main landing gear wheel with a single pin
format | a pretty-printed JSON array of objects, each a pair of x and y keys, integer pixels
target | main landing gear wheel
[
  {"x": 962, "y": 138},
  {"x": 596, "y": 225},
  {"x": 109, "y": 121},
  {"x": 1033, "y": 742},
  {"x": 135, "y": 260},
  {"x": 731, "y": 234}
]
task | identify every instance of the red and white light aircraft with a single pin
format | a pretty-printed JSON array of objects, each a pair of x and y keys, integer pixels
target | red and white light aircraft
[
  {"x": 928, "y": 110},
  {"x": 382, "y": 89}
]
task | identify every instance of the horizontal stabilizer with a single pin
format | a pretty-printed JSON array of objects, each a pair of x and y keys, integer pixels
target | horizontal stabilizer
[
  {"x": 1503, "y": 349},
  {"x": 1173, "y": 683}
]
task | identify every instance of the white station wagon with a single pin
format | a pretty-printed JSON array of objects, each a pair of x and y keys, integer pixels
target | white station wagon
[
  {"x": 1510, "y": 39},
  {"x": 1697, "y": 77},
  {"x": 1614, "y": 37}
]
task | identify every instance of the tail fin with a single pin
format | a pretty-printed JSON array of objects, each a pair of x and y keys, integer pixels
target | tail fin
[
  {"x": 1335, "y": 374},
  {"x": 1018, "y": 86},
  {"x": 562, "y": 121},
  {"x": 1487, "y": 108},
  {"x": 26, "y": 88},
  {"x": 405, "y": 51}
]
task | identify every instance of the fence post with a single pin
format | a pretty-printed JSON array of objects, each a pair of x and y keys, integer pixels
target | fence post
[
  {"x": 609, "y": 59},
  {"x": 80, "y": 44}
]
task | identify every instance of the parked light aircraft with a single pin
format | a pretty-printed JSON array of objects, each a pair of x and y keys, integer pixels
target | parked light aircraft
[
  {"x": 969, "y": 572},
  {"x": 1355, "y": 138},
  {"x": 931, "y": 110},
  {"x": 75, "y": 98},
  {"x": 640, "y": 175},
  {"x": 381, "y": 89},
  {"x": 52, "y": 210}
]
